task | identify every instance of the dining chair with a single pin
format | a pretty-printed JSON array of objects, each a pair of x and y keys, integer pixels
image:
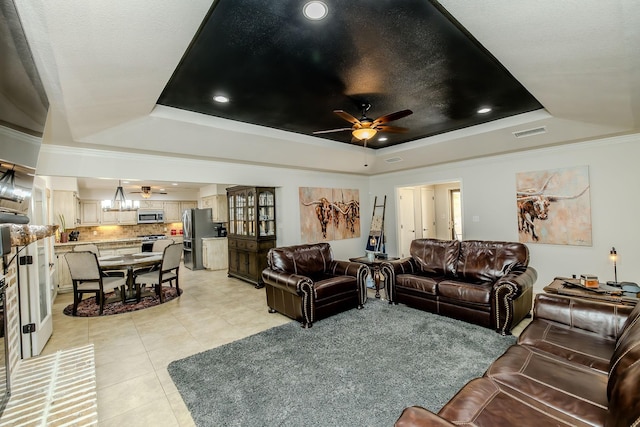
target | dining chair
[
  {"x": 160, "y": 244},
  {"x": 87, "y": 278},
  {"x": 93, "y": 248},
  {"x": 168, "y": 271}
]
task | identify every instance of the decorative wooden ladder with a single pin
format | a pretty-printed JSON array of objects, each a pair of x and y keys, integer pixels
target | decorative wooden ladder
[{"x": 375, "y": 243}]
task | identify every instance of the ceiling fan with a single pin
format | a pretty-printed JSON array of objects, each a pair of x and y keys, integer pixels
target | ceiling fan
[
  {"x": 365, "y": 128},
  {"x": 146, "y": 192}
]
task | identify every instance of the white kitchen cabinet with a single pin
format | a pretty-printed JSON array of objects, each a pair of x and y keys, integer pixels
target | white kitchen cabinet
[
  {"x": 151, "y": 204},
  {"x": 65, "y": 203},
  {"x": 128, "y": 217},
  {"x": 172, "y": 212},
  {"x": 215, "y": 253},
  {"x": 218, "y": 205},
  {"x": 63, "y": 273},
  {"x": 187, "y": 205},
  {"x": 91, "y": 212}
]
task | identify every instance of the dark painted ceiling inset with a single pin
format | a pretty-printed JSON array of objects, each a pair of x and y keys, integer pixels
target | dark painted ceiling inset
[{"x": 283, "y": 71}]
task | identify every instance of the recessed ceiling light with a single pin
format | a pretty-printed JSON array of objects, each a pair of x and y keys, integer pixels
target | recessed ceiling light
[
  {"x": 315, "y": 10},
  {"x": 382, "y": 138},
  {"x": 221, "y": 99},
  {"x": 174, "y": 183},
  {"x": 484, "y": 110}
]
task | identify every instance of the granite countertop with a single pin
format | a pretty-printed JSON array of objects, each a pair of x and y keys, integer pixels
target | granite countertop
[
  {"x": 24, "y": 234},
  {"x": 213, "y": 238},
  {"x": 102, "y": 241}
]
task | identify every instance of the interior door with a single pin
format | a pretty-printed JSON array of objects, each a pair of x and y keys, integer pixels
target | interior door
[
  {"x": 35, "y": 284},
  {"x": 407, "y": 225},
  {"x": 428, "y": 211},
  {"x": 455, "y": 214}
]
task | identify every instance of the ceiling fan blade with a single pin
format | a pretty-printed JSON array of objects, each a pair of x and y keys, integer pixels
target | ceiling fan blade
[
  {"x": 348, "y": 117},
  {"x": 330, "y": 130},
  {"x": 392, "y": 129},
  {"x": 393, "y": 116}
]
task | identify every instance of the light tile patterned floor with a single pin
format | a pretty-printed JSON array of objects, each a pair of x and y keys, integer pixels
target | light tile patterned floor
[
  {"x": 132, "y": 350},
  {"x": 54, "y": 390}
]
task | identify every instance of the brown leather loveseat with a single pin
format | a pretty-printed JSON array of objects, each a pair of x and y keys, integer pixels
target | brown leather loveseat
[
  {"x": 576, "y": 364},
  {"x": 305, "y": 283},
  {"x": 483, "y": 282}
]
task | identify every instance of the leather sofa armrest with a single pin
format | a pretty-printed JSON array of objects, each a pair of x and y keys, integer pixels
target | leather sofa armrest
[
  {"x": 417, "y": 416},
  {"x": 518, "y": 282},
  {"x": 355, "y": 269},
  {"x": 345, "y": 268},
  {"x": 293, "y": 283},
  {"x": 389, "y": 270}
]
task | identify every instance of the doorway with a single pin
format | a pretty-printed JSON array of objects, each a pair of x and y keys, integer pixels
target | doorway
[
  {"x": 428, "y": 211},
  {"x": 35, "y": 290}
]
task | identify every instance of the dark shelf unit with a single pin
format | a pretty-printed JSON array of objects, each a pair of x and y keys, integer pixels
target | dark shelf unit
[{"x": 252, "y": 231}]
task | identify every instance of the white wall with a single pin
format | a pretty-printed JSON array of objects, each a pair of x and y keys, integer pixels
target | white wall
[
  {"x": 67, "y": 161},
  {"x": 488, "y": 192}
]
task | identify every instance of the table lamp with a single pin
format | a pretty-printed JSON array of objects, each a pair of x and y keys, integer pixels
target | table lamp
[{"x": 626, "y": 286}]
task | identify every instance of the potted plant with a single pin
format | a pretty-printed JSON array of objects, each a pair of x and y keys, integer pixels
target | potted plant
[{"x": 64, "y": 237}]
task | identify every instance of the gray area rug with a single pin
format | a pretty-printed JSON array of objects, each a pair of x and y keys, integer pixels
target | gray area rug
[{"x": 358, "y": 368}]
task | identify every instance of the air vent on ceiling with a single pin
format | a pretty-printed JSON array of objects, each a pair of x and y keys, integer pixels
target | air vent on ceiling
[
  {"x": 393, "y": 160},
  {"x": 530, "y": 132}
]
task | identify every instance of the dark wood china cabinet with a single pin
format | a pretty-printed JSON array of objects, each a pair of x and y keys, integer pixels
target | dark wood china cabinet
[{"x": 252, "y": 231}]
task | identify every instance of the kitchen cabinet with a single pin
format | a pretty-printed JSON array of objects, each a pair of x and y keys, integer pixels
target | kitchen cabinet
[
  {"x": 187, "y": 205},
  {"x": 93, "y": 214},
  {"x": 151, "y": 204},
  {"x": 251, "y": 232},
  {"x": 173, "y": 210},
  {"x": 215, "y": 253},
  {"x": 218, "y": 205},
  {"x": 65, "y": 203},
  {"x": 90, "y": 214},
  {"x": 119, "y": 217}
]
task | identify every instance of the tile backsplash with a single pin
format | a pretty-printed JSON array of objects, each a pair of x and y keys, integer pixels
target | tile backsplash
[{"x": 106, "y": 232}]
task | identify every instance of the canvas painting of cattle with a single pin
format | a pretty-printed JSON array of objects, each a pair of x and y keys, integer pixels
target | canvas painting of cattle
[
  {"x": 329, "y": 214},
  {"x": 554, "y": 206}
]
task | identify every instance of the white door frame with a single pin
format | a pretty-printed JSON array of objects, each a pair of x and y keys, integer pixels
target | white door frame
[{"x": 35, "y": 290}]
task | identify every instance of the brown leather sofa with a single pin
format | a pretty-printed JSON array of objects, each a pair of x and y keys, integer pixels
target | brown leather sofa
[
  {"x": 483, "y": 282},
  {"x": 576, "y": 364},
  {"x": 305, "y": 283}
]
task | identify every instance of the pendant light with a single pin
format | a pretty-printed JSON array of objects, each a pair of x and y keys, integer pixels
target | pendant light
[{"x": 119, "y": 197}]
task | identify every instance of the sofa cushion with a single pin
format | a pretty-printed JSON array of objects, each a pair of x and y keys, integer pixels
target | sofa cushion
[
  {"x": 487, "y": 261},
  {"x": 420, "y": 283},
  {"x": 306, "y": 260},
  {"x": 472, "y": 293},
  {"x": 433, "y": 256},
  {"x": 335, "y": 286},
  {"x": 575, "y": 345},
  {"x": 560, "y": 385},
  {"x": 484, "y": 402}
]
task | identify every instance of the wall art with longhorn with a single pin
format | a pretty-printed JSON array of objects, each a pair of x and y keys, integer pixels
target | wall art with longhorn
[
  {"x": 329, "y": 214},
  {"x": 554, "y": 206}
]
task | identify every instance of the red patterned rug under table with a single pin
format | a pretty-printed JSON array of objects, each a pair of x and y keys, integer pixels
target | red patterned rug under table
[{"x": 89, "y": 308}]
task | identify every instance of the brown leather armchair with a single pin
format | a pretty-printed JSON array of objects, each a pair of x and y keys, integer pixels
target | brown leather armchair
[{"x": 305, "y": 283}]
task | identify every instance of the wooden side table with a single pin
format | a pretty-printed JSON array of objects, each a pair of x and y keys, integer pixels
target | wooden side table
[
  {"x": 374, "y": 268},
  {"x": 571, "y": 287}
]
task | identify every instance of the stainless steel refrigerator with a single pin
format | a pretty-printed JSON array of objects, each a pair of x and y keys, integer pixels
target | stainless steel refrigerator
[{"x": 196, "y": 224}]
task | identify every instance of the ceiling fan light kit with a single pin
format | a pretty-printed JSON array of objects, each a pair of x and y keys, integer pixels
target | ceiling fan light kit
[{"x": 364, "y": 128}]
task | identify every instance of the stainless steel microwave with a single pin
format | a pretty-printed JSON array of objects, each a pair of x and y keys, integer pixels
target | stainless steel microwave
[{"x": 150, "y": 216}]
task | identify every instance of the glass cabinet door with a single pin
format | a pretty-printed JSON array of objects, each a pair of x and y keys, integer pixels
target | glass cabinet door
[
  {"x": 266, "y": 213},
  {"x": 241, "y": 219},
  {"x": 251, "y": 213}
]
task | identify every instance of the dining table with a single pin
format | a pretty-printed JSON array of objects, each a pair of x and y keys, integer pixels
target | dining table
[{"x": 130, "y": 263}]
